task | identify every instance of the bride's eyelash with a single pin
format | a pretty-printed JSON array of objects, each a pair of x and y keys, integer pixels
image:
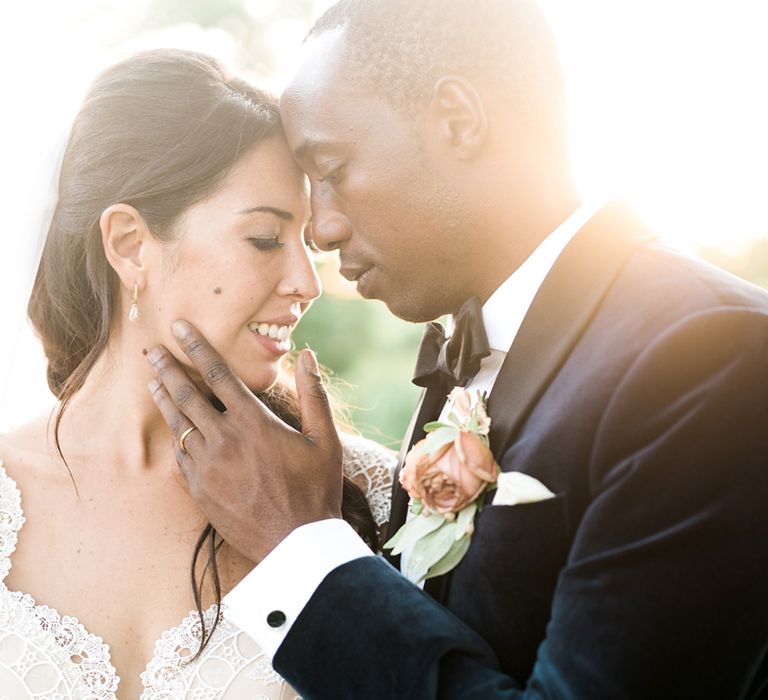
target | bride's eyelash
[{"x": 267, "y": 243}]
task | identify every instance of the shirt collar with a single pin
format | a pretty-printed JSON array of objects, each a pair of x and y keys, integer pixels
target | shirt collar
[{"x": 505, "y": 310}]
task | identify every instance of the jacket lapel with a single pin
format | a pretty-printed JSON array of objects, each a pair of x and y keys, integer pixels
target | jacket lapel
[{"x": 559, "y": 314}]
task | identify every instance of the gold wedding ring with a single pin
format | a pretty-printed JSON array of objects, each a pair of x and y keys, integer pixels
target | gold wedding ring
[{"x": 184, "y": 436}]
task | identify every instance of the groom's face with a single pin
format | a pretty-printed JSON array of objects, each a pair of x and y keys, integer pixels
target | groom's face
[{"x": 380, "y": 195}]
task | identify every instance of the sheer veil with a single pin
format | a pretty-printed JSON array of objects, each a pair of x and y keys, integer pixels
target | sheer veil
[
  {"x": 42, "y": 91},
  {"x": 29, "y": 175}
]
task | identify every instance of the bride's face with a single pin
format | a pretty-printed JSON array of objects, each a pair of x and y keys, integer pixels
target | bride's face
[{"x": 240, "y": 268}]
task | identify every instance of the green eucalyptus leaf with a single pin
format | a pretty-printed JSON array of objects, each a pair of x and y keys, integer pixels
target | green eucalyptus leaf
[
  {"x": 392, "y": 541},
  {"x": 416, "y": 506},
  {"x": 455, "y": 420},
  {"x": 439, "y": 438},
  {"x": 465, "y": 518},
  {"x": 414, "y": 530},
  {"x": 454, "y": 555},
  {"x": 429, "y": 550},
  {"x": 435, "y": 425}
]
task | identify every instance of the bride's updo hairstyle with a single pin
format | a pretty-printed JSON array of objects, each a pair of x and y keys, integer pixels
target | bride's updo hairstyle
[{"x": 159, "y": 131}]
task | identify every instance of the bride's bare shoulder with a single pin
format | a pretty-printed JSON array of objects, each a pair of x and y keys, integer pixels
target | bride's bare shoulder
[{"x": 27, "y": 447}]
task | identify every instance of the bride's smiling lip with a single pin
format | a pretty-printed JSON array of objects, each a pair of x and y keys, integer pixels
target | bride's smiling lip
[{"x": 288, "y": 320}]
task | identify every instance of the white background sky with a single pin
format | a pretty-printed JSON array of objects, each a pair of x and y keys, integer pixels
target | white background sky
[{"x": 669, "y": 105}]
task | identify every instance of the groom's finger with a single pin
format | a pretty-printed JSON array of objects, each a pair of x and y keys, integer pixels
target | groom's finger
[
  {"x": 216, "y": 373},
  {"x": 177, "y": 422},
  {"x": 316, "y": 415},
  {"x": 189, "y": 400}
]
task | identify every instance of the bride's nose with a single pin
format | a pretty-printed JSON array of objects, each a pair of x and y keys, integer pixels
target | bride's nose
[{"x": 300, "y": 277}]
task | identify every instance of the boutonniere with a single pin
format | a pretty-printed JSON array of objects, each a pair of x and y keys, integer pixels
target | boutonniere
[{"x": 447, "y": 475}]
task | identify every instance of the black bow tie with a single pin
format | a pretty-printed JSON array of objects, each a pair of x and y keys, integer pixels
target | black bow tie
[{"x": 444, "y": 363}]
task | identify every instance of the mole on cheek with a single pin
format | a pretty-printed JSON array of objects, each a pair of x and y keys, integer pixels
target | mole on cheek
[
  {"x": 217, "y": 290},
  {"x": 144, "y": 351}
]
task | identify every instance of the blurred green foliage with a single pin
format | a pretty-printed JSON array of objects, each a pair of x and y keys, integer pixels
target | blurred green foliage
[{"x": 369, "y": 354}]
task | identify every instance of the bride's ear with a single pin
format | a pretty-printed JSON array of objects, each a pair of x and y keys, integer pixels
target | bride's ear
[{"x": 125, "y": 237}]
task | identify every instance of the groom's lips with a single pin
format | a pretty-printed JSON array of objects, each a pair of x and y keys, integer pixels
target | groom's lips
[{"x": 362, "y": 276}]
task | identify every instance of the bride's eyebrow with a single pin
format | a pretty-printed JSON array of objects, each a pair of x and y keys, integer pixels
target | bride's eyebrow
[{"x": 279, "y": 213}]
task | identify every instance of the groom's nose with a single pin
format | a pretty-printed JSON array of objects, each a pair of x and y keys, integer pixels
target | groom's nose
[{"x": 330, "y": 228}]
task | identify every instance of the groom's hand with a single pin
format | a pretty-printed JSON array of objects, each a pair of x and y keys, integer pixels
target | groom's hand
[{"x": 254, "y": 477}]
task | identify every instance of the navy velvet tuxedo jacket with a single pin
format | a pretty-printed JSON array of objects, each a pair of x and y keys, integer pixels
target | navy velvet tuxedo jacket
[{"x": 637, "y": 391}]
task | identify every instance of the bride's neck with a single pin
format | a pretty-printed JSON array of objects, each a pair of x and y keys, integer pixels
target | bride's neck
[{"x": 112, "y": 420}]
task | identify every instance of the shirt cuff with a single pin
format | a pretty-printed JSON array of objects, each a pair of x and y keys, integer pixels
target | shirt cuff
[{"x": 269, "y": 599}]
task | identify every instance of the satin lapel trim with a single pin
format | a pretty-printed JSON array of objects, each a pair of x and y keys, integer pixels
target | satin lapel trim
[
  {"x": 560, "y": 313},
  {"x": 427, "y": 409}
]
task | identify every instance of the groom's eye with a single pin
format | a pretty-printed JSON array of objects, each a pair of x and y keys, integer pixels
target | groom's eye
[
  {"x": 308, "y": 240},
  {"x": 333, "y": 176}
]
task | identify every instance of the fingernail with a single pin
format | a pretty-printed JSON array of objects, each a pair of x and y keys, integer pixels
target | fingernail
[
  {"x": 310, "y": 361},
  {"x": 155, "y": 354},
  {"x": 153, "y": 386},
  {"x": 180, "y": 329}
]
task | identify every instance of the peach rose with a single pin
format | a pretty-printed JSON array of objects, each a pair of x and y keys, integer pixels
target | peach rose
[
  {"x": 452, "y": 477},
  {"x": 461, "y": 401}
]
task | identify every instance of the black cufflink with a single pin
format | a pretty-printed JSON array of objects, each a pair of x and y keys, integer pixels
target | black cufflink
[{"x": 276, "y": 618}]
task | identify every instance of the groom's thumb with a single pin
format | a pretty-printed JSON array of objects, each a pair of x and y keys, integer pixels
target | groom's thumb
[{"x": 316, "y": 415}]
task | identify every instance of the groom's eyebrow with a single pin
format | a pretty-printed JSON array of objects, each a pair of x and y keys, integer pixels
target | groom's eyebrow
[
  {"x": 311, "y": 145},
  {"x": 308, "y": 145},
  {"x": 280, "y": 213}
]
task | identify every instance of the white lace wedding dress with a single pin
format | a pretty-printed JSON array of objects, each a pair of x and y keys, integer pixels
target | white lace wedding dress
[{"x": 48, "y": 656}]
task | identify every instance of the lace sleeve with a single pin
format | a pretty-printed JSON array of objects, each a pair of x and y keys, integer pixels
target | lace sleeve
[{"x": 371, "y": 467}]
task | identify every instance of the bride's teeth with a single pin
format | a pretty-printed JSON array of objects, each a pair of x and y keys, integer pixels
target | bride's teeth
[{"x": 279, "y": 333}]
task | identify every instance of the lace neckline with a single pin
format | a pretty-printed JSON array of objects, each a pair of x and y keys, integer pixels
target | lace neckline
[
  {"x": 54, "y": 657},
  {"x": 88, "y": 654}
]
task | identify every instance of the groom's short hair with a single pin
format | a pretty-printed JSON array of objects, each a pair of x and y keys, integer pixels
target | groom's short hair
[{"x": 400, "y": 48}]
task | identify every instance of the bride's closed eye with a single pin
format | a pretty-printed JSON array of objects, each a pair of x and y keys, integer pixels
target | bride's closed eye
[{"x": 266, "y": 243}]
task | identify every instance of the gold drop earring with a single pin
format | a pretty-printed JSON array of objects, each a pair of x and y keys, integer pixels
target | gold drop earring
[{"x": 133, "y": 314}]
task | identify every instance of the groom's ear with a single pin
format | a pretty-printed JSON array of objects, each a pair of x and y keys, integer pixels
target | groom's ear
[
  {"x": 124, "y": 235},
  {"x": 460, "y": 116}
]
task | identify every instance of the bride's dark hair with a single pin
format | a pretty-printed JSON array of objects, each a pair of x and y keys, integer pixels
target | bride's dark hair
[{"x": 158, "y": 131}]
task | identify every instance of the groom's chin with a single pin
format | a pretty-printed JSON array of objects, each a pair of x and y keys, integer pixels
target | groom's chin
[{"x": 414, "y": 310}]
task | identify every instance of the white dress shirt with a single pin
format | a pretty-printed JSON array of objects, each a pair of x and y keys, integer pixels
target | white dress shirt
[{"x": 282, "y": 584}]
